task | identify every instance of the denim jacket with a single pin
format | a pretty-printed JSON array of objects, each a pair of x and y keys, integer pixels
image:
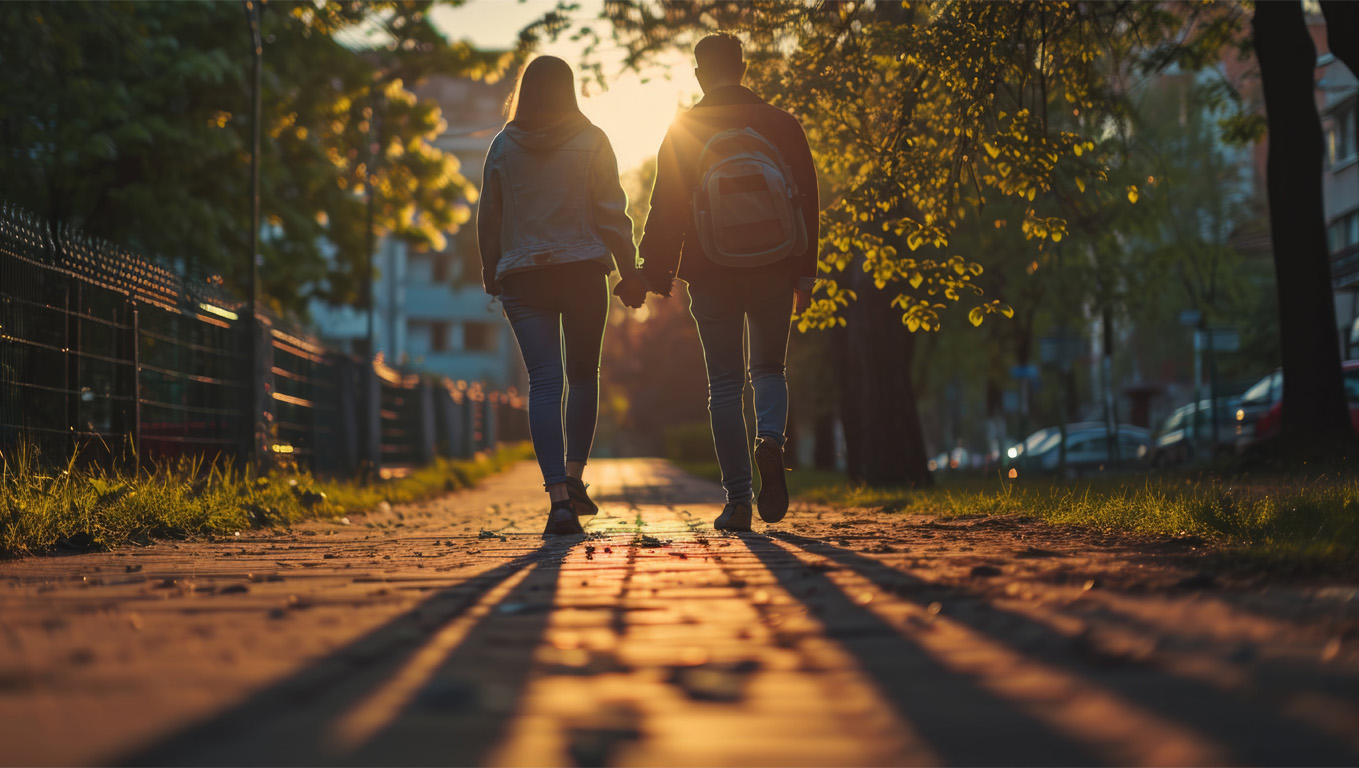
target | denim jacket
[{"x": 551, "y": 196}]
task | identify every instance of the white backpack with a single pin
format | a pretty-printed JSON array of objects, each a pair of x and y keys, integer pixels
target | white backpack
[{"x": 747, "y": 204}]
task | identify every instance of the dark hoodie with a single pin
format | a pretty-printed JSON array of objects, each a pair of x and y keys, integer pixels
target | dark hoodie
[{"x": 551, "y": 196}]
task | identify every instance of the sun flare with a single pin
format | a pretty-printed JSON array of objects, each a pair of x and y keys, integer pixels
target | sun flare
[{"x": 637, "y": 109}]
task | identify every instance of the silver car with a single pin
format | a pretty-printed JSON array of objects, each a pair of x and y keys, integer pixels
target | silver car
[{"x": 1087, "y": 450}]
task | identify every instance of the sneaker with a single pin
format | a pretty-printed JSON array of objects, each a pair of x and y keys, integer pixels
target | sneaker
[
  {"x": 735, "y": 517},
  {"x": 773, "y": 499},
  {"x": 562, "y": 521},
  {"x": 579, "y": 498}
]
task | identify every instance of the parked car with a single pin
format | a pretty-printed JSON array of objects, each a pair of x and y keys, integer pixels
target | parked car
[
  {"x": 1176, "y": 441},
  {"x": 1261, "y": 422},
  {"x": 1087, "y": 450},
  {"x": 957, "y": 459},
  {"x": 1256, "y": 402}
]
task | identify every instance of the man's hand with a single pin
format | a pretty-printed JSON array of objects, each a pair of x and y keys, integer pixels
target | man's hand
[
  {"x": 658, "y": 283},
  {"x": 632, "y": 291},
  {"x": 801, "y": 300}
]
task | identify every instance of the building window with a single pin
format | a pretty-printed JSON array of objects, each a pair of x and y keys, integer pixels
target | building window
[
  {"x": 469, "y": 263},
  {"x": 1340, "y": 137},
  {"x": 478, "y": 337},
  {"x": 439, "y": 270},
  {"x": 1343, "y": 233},
  {"x": 438, "y": 337}
]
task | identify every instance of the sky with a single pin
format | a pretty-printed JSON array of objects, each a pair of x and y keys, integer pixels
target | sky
[{"x": 637, "y": 107}]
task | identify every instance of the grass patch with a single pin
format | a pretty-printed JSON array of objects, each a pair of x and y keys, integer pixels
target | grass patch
[
  {"x": 1294, "y": 523},
  {"x": 43, "y": 509},
  {"x": 1315, "y": 523}
]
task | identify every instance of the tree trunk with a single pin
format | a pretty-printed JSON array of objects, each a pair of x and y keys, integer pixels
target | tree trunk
[
  {"x": 1314, "y": 404},
  {"x": 1342, "y": 31},
  {"x": 884, "y": 443},
  {"x": 823, "y": 449}
]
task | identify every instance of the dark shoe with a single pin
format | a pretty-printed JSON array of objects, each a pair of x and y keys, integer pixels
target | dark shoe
[
  {"x": 579, "y": 498},
  {"x": 735, "y": 517},
  {"x": 562, "y": 521},
  {"x": 773, "y": 499}
]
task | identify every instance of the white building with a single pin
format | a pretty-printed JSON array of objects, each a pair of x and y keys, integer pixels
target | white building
[
  {"x": 1338, "y": 93},
  {"x": 431, "y": 313}
]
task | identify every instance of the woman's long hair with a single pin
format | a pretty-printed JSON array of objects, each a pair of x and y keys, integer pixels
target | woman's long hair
[{"x": 546, "y": 91}]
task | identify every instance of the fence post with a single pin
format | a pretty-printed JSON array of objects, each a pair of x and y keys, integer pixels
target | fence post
[
  {"x": 134, "y": 354},
  {"x": 446, "y": 410},
  {"x": 489, "y": 421},
  {"x": 348, "y": 400},
  {"x": 370, "y": 419},
  {"x": 258, "y": 389},
  {"x": 425, "y": 393},
  {"x": 72, "y": 373},
  {"x": 467, "y": 434}
]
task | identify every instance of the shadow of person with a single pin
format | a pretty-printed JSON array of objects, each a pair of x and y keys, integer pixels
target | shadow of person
[
  {"x": 1246, "y": 729},
  {"x": 435, "y": 685},
  {"x": 964, "y": 723}
]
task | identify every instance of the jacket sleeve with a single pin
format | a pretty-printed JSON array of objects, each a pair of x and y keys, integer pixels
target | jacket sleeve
[
  {"x": 611, "y": 209},
  {"x": 663, "y": 236},
  {"x": 799, "y": 157},
  {"x": 489, "y": 213}
]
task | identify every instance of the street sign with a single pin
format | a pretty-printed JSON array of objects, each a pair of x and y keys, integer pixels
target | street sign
[
  {"x": 1223, "y": 340},
  {"x": 1009, "y": 401},
  {"x": 1062, "y": 350}
]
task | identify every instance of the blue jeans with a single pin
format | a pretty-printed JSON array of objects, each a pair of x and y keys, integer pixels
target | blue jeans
[
  {"x": 727, "y": 311},
  {"x": 554, "y": 309}
]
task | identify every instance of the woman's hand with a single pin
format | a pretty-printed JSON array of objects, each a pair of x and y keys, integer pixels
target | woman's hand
[{"x": 632, "y": 291}]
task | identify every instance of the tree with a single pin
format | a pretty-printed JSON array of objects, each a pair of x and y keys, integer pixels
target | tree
[
  {"x": 131, "y": 121},
  {"x": 921, "y": 116},
  {"x": 1314, "y": 406}
]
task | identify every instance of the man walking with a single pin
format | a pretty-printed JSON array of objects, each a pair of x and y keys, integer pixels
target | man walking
[{"x": 734, "y": 213}]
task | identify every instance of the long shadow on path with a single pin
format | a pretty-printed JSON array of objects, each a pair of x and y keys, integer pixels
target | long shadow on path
[
  {"x": 964, "y": 723},
  {"x": 454, "y": 714},
  {"x": 1248, "y": 730}
]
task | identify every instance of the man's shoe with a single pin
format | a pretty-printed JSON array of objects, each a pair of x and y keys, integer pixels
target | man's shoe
[
  {"x": 579, "y": 498},
  {"x": 562, "y": 521},
  {"x": 735, "y": 517},
  {"x": 773, "y": 499}
]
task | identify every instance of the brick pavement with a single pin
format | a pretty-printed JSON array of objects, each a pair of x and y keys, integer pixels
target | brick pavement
[{"x": 452, "y": 633}]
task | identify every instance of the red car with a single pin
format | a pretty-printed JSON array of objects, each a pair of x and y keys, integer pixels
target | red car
[{"x": 1269, "y": 390}]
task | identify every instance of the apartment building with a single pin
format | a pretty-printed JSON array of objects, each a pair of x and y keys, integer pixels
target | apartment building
[{"x": 430, "y": 312}]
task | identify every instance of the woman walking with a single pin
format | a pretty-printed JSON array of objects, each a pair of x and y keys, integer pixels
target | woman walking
[{"x": 552, "y": 220}]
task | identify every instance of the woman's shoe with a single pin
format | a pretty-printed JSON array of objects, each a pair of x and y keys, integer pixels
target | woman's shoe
[
  {"x": 735, "y": 517},
  {"x": 579, "y": 498},
  {"x": 562, "y": 520}
]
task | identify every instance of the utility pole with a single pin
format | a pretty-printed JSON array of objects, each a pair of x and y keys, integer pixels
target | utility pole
[
  {"x": 253, "y": 349},
  {"x": 374, "y": 144}
]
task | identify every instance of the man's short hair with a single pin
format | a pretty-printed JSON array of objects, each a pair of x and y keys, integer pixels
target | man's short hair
[{"x": 719, "y": 53}]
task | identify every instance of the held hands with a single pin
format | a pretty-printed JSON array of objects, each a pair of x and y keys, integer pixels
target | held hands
[{"x": 632, "y": 292}]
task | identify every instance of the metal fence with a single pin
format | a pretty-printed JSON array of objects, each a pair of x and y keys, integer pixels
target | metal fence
[{"x": 107, "y": 354}]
